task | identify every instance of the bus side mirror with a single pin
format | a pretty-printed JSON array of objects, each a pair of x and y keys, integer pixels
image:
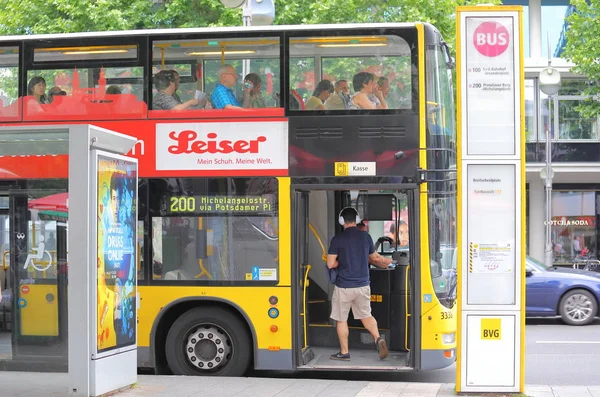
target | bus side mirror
[{"x": 528, "y": 273}]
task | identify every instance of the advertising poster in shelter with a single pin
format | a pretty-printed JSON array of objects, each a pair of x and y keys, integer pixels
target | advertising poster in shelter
[{"x": 117, "y": 256}]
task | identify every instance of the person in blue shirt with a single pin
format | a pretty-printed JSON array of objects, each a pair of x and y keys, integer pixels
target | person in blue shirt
[
  {"x": 222, "y": 96},
  {"x": 350, "y": 253}
]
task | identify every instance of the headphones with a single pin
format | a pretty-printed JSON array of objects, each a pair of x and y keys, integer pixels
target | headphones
[{"x": 341, "y": 219}]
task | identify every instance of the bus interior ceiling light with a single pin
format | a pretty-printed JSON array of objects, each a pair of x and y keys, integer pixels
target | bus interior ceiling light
[
  {"x": 220, "y": 52},
  {"x": 352, "y": 45},
  {"x": 94, "y": 52}
]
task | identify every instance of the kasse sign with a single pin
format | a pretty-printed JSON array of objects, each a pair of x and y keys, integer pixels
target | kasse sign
[{"x": 227, "y": 147}]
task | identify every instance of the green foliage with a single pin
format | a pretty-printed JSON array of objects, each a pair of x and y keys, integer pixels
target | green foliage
[
  {"x": 60, "y": 16},
  {"x": 583, "y": 49}
]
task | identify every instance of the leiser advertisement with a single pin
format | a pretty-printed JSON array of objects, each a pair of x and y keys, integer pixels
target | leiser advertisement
[
  {"x": 250, "y": 146},
  {"x": 117, "y": 256}
]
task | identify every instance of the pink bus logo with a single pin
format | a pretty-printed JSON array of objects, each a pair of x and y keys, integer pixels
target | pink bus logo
[{"x": 491, "y": 39}]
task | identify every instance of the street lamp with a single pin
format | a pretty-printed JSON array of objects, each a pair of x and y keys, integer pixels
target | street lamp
[
  {"x": 255, "y": 12},
  {"x": 549, "y": 84}
]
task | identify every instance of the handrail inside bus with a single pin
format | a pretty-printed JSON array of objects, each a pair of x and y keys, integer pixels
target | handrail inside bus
[
  {"x": 316, "y": 234},
  {"x": 4, "y": 265},
  {"x": 304, "y": 305},
  {"x": 406, "y": 306},
  {"x": 304, "y": 298},
  {"x": 203, "y": 271}
]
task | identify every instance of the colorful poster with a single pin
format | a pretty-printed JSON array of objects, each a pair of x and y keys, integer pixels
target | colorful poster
[{"x": 117, "y": 256}]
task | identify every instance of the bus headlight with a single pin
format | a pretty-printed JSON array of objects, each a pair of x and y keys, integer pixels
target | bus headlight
[{"x": 448, "y": 339}]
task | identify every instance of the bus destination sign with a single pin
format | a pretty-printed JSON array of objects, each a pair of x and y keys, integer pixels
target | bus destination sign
[{"x": 221, "y": 204}]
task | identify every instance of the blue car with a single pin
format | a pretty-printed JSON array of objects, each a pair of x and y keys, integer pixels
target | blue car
[{"x": 569, "y": 293}]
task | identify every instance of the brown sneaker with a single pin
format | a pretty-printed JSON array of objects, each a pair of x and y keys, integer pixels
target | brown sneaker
[{"x": 382, "y": 348}]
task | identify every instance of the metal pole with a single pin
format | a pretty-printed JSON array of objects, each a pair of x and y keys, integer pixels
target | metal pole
[
  {"x": 548, "y": 254},
  {"x": 548, "y": 251},
  {"x": 247, "y": 16},
  {"x": 247, "y": 13}
]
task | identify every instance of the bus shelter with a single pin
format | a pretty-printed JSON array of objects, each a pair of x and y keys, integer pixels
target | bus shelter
[{"x": 68, "y": 289}]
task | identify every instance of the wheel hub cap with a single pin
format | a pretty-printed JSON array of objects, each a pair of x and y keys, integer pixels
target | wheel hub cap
[
  {"x": 578, "y": 307},
  {"x": 208, "y": 348}
]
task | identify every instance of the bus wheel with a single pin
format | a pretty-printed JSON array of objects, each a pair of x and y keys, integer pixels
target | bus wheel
[{"x": 208, "y": 341}]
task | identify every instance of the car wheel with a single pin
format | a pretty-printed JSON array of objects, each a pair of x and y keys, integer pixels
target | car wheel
[
  {"x": 578, "y": 307},
  {"x": 208, "y": 341}
]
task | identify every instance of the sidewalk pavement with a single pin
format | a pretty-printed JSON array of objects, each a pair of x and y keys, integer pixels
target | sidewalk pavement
[{"x": 32, "y": 384}]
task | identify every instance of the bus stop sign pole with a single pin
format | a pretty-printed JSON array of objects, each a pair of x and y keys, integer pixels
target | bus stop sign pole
[
  {"x": 491, "y": 184},
  {"x": 102, "y": 240}
]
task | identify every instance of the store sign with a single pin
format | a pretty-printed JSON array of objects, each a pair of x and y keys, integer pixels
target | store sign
[
  {"x": 572, "y": 221},
  {"x": 222, "y": 146},
  {"x": 492, "y": 120}
]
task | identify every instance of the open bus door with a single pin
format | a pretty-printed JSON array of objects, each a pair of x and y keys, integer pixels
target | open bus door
[
  {"x": 314, "y": 221},
  {"x": 38, "y": 279}
]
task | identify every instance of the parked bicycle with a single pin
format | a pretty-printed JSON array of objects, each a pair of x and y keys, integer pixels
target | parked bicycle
[{"x": 587, "y": 264}]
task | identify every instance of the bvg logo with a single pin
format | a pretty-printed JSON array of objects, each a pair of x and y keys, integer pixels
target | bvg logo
[{"x": 490, "y": 328}]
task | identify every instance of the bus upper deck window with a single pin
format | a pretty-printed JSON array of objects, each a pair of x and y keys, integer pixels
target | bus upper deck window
[
  {"x": 85, "y": 82},
  {"x": 9, "y": 84},
  {"x": 216, "y": 74},
  {"x": 364, "y": 72}
]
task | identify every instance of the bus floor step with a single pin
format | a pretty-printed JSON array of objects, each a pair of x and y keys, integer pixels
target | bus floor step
[{"x": 363, "y": 359}]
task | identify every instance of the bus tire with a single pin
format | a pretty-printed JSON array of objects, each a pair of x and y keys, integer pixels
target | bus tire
[{"x": 208, "y": 341}]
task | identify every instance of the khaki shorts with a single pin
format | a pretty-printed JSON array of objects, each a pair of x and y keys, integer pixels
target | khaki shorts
[{"x": 357, "y": 299}]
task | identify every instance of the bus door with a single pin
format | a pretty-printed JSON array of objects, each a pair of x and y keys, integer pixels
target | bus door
[
  {"x": 389, "y": 215},
  {"x": 300, "y": 262},
  {"x": 38, "y": 272}
]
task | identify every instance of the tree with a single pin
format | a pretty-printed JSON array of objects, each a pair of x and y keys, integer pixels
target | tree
[
  {"x": 583, "y": 49},
  {"x": 63, "y": 16}
]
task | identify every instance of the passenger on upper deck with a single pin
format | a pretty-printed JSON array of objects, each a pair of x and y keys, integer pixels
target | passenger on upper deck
[
  {"x": 320, "y": 95},
  {"x": 166, "y": 82},
  {"x": 222, "y": 96},
  {"x": 37, "y": 89},
  {"x": 341, "y": 98},
  {"x": 55, "y": 91},
  {"x": 368, "y": 95},
  {"x": 113, "y": 90},
  {"x": 251, "y": 97},
  {"x": 384, "y": 86}
]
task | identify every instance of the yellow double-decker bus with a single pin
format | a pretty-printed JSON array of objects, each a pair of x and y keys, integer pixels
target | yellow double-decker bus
[{"x": 250, "y": 143}]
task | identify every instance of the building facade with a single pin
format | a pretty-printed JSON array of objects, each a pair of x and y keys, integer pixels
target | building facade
[{"x": 575, "y": 142}]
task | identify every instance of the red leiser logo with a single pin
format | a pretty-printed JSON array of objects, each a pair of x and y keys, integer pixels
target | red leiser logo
[
  {"x": 491, "y": 39},
  {"x": 187, "y": 142}
]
